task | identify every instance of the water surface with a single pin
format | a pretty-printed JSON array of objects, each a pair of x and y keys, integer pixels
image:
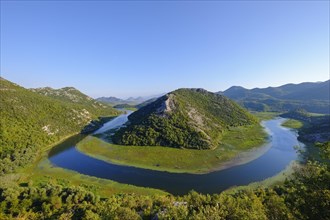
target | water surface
[{"x": 273, "y": 161}]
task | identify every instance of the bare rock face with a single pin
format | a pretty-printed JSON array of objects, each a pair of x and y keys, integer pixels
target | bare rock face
[{"x": 167, "y": 105}]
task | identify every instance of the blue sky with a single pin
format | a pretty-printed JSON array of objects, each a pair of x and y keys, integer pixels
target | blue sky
[{"x": 133, "y": 48}]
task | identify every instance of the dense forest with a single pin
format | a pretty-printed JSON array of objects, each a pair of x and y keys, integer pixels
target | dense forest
[
  {"x": 306, "y": 195},
  {"x": 31, "y": 122},
  {"x": 188, "y": 118}
]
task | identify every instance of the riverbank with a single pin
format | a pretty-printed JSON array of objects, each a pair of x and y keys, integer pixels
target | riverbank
[
  {"x": 293, "y": 124},
  {"x": 268, "y": 182},
  {"x": 42, "y": 171},
  {"x": 46, "y": 172},
  {"x": 239, "y": 146}
]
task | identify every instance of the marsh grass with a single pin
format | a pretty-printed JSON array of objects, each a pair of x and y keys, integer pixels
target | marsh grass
[
  {"x": 177, "y": 160},
  {"x": 292, "y": 123},
  {"x": 45, "y": 173}
]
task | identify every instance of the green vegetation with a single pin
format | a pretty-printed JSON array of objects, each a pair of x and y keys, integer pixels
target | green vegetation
[
  {"x": 266, "y": 115},
  {"x": 72, "y": 95},
  {"x": 316, "y": 128},
  {"x": 185, "y": 118},
  {"x": 313, "y": 128},
  {"x": 46, "y": 173},
  {"x": 31, "y": 122},
  {"x": 234, "y": 141},
  {"x": 314, "y": 97},
  {"x": 35, "y": 189},
  {"x": 292, "y": 123},
  {"x": 305, "y": 196}
]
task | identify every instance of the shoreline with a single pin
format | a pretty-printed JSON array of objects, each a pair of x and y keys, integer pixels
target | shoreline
[
  {"x": 243, "y": 158},
  {"x": 249, "y": 155},
  {"x": 239, "y": 158}
]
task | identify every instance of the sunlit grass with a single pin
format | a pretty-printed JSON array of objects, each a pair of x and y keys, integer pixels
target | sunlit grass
[
  {"x": 45, "y": 172},
  {"x": 266, "y": 115},
  {"x": 292, "y": 123}
]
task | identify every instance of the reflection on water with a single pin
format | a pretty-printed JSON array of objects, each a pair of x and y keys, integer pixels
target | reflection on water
[
  {"x": 276, "y": 159},
  {"x": 114, "y": 123},
  {"x": 66, "y": 145}
]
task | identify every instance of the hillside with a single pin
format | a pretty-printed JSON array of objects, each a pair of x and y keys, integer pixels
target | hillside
[
  {"x": 72, "y": 95},
  {"x": 187, "y": 118},
  {"x": 313, "y": 97},
  {"x": 31, "y": 122}
]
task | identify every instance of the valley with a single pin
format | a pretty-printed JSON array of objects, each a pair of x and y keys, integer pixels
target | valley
[
  {"x": 164, "y": 110},
  {"x": 94, "y": 163}
]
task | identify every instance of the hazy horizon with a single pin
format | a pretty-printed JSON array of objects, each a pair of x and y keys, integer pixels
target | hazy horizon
[
  {"x": 161, "y": 93},
  {"x": 131, "y": 49}
]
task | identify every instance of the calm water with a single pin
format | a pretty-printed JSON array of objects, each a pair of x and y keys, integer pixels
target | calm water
[
  {"x": 114, "y": 123},
  {"x": 279, "y": 155}
]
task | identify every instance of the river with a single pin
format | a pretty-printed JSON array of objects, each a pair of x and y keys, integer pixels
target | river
[{"x": 277, "y": 157}]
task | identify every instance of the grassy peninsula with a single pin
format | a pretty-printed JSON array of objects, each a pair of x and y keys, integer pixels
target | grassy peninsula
[{"x": 177, "y": 160}]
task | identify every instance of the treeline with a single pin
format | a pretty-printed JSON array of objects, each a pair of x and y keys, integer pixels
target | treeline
[
  {"x": 195, "y": 119},
  {"x": 30, "y": 122},
  {"x": 304, "y": 196}
]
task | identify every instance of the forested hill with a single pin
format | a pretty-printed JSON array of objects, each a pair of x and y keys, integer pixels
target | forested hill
[
  {"x": 72, "y": 95},
  {"x": 313, "y": 97},
  {"x": 188, "y": 118},
  {"x": 31, "y": 121}
]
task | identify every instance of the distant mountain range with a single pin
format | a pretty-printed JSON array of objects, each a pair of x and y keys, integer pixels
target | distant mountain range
[
  {"x": 129, "y": 101},
  {"x": 117, "y": 101},
  {"x": 313, "y": 97},
  {"x": 184, "y": 118}
]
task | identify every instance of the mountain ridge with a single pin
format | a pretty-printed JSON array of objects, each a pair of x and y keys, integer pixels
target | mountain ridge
[
  {"x": 134, "y": 101},
  {"x": 71, "y": 94},
  {"x": 313, "y": 97}
]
